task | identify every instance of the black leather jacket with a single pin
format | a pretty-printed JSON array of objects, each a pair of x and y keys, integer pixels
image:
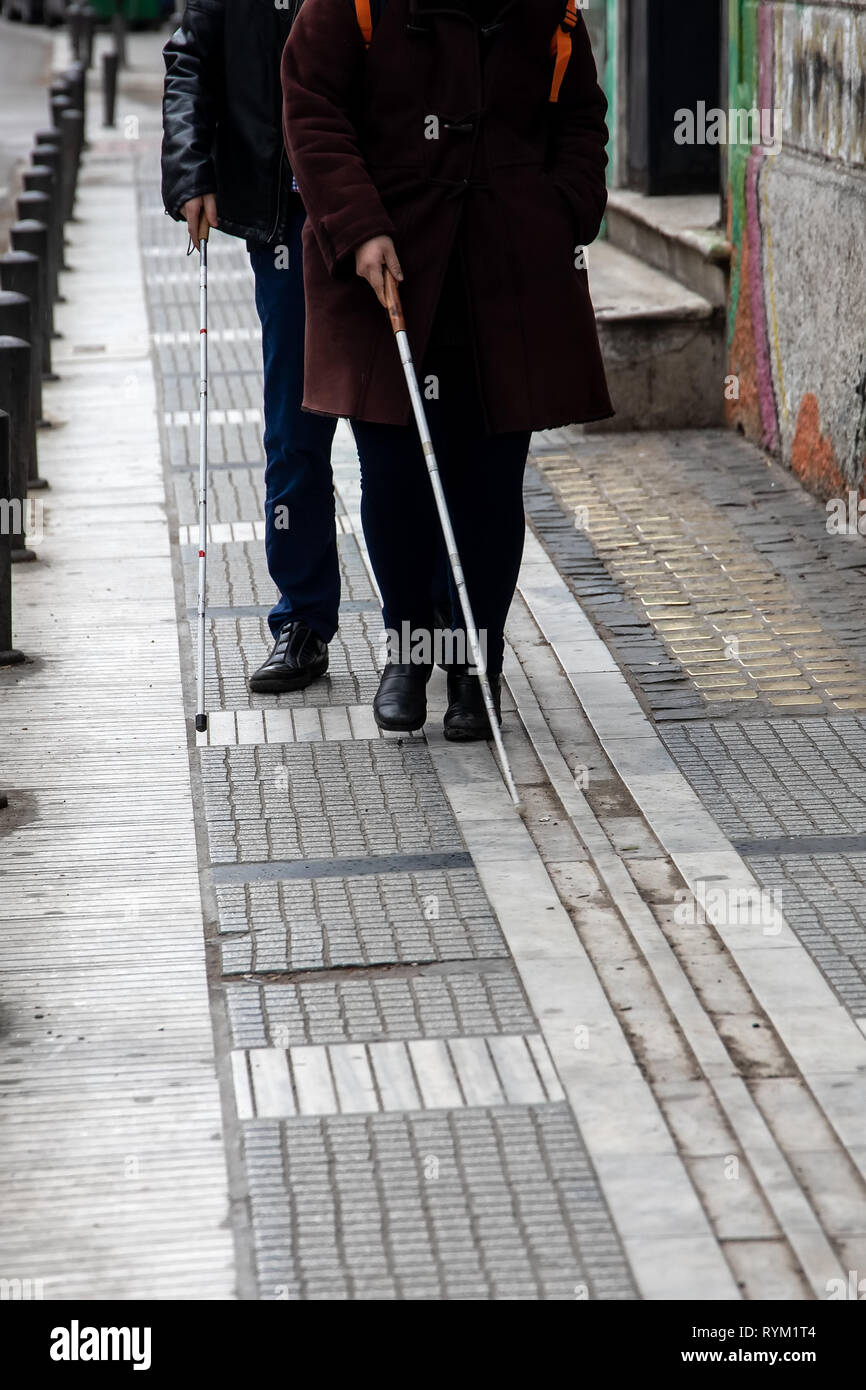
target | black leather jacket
[{"x": 222, "y": 114}]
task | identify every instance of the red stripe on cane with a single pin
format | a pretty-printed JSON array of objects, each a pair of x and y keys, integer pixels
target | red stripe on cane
[
  {"x": 201, "y": 554},
  {"x": 202, "y": 330}
]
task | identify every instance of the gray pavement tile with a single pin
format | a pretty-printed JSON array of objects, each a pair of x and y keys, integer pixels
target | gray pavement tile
[
  {"x": 510, "y": 1255},
  {"x": 378, "y": 919},
  {"x": 422, "y": 1005}
]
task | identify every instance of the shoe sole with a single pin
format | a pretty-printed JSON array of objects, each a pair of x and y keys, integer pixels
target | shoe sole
[
  {"x": 465, "y": 736},
  {"x": 397, "y": 726},
  {"x": 286, "y": 683}
]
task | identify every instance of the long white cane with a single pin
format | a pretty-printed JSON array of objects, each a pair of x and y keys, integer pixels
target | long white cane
[
  {"x": 200, "y": 714},
  {"x": 392, "y": 297}
]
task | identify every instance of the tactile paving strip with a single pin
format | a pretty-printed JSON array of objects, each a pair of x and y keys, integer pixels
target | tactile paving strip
[
  {"x": 238, "y": 574},
  {"x": 452, "y": 1002},
  {"x": 324, "y": 800},
  {"x": 472, "y": 1204},
  {"x": 374, "y": 919},
  {"x": 710, "y": 592}
]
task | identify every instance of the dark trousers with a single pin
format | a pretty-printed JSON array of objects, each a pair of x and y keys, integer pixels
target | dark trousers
[
  {"x": 300, "y": 533},
  {"x": 482, "y": 476}
]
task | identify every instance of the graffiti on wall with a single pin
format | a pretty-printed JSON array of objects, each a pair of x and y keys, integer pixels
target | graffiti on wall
[{"x": 807, "y": 403}]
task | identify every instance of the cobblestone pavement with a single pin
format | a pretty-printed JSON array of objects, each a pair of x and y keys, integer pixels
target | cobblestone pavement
[{"x": 612, "y": 1050}]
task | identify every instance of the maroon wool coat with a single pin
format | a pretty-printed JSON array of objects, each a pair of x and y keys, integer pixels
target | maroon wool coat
[{"x": 522, "y": 188}]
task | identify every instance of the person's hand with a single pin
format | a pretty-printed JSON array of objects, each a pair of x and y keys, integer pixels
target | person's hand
[
  {"x": 192, "y": 212},
  {"x": 371, "y": 258}
]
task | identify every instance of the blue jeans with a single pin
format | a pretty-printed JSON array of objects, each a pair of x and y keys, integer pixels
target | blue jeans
[{"x": 300, "y": 531}]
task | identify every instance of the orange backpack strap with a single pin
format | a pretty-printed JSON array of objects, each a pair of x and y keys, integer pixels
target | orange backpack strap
[
  {"x": 365, "y": 20},
  {"x": 560, "y": 47}
]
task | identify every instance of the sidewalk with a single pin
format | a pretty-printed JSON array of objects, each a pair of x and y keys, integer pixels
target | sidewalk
[{"x": 294, "y": 1010}]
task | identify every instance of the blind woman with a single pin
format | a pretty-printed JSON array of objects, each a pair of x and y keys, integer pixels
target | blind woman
[{"x": 460, "y": 148}]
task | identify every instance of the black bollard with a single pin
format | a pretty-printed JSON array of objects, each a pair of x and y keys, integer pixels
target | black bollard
[
  {"x": 15, "y": 318},
  {"x": 19, "y": 272},
  {"x": 46, "y": 137},
  {"x": 118, "y": 25},
  {"x": 75, "y": 21},
  {"x": 76, "y": 84},
  {"x": 59, "y": 103},
  {"x": 38, "y": 208},
  {"x": 109, "y": 86},
  {"x": 15, "y": 400},
  {"x": 70, "y": 132},
  {"x": 14, "y": 315},
  {"x": 33, "y": 237},
  {"x": 40, "y": 179},
  {"x": 73, "y": 116},
  {"x": 89, "y": 16},
  {"x": 49, "y": 157},
  {"x": 8, "y": 655}
]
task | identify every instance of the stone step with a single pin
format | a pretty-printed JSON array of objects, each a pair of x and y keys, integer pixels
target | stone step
[
  {"x": 679, "y": 236},
  {"x": 663, "y": 345}
]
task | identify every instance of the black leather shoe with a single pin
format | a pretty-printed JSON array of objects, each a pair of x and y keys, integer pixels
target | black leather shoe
[
  {"x": 401, "y": 700},
  {"x": 466, "y": 718},
  {"x": 298, "y": 657}
]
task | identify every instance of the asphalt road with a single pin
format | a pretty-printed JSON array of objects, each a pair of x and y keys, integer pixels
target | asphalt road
[{"x": 25, "y": 64}]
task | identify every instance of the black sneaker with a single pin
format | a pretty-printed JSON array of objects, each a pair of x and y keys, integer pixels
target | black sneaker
[
  {"x": 298, "y": 657},
  {"x": 466, "y": 717},
  {"x": 401, "y": 700}
]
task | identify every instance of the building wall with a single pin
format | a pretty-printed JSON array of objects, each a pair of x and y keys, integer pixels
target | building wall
[{"x": 797, "y": 221}]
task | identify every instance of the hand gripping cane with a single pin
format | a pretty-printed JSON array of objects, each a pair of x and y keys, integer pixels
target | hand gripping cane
[
  {"x": 200, "y": 715},
  {"x": 392, "y": 299}
]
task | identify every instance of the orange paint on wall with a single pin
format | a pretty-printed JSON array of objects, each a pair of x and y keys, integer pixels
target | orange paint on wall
[{"x": 813, "y": 458}]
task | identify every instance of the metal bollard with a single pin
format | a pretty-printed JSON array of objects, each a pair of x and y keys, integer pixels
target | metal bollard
[
  {"x": 48, "y": 156},
  {"x": 89, "y": 16},
  {"x": 33, "y": 237},
  {"x": 15, "y": 400},
  {"x": 15, "y": 322},
  {"x": 75, "y": 20},
  {"x": 46, "y": 137},
  {"x": 70, "y": 132},
  {"x": 38, "y": 208},
  {"x": 118, "y": 25},
  {"x": 59, "y": 103},
  {"x": 76, "y": 86},
  {"x": 19, "y": 272},
  {"x": 40, "y": 179},
  {"x": 8, "y": 655},
  {"x": 109, "y": 86}
]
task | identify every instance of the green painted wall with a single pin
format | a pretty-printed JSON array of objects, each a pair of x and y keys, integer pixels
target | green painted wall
[{"x": 743, "y": 79}]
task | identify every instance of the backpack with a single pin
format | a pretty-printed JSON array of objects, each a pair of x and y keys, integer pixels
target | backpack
[{"x": 368, "y": 13}]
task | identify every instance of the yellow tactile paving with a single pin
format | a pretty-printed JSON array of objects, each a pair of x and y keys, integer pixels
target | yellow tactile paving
[{"x": 719, "y": 607}]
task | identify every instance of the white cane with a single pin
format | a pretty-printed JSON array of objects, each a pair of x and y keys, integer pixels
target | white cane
[
  {"x": 200, "y": 714},
  {"x": 392, "y": 298}
]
